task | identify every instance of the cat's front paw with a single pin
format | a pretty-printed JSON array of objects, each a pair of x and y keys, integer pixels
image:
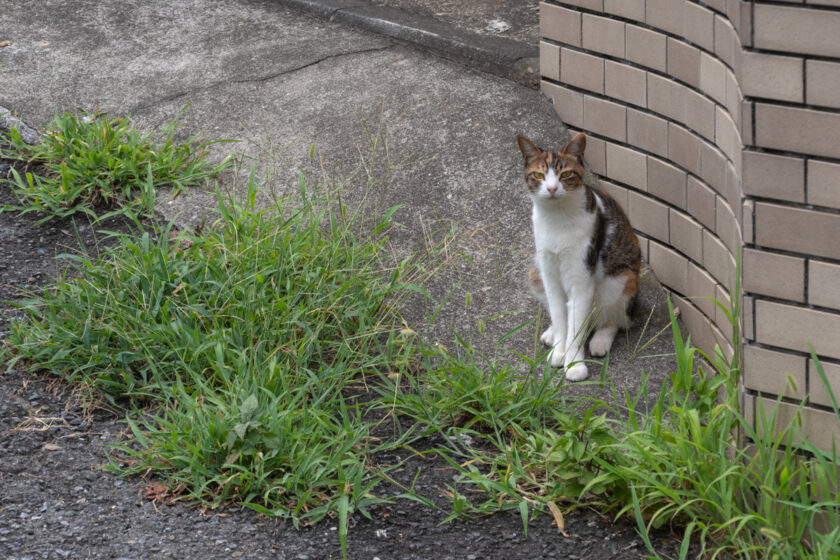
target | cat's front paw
[
  {"x": 547, "y": 337},
  {"x": 577, "y": 372},
  {"x": 557, "y": 356},
  {"x": 551, "y": 338},
  {"x": 601, "y": 341}
]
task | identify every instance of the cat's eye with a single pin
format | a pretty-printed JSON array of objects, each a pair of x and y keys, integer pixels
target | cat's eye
[
  {"x": 567, "y": 174},
  {"x": 539, "y": 176}
]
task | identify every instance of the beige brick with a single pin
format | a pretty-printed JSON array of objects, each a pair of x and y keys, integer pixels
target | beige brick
[
  {"x": 734, "y": 193},
  {"x": 823, "y": 183},
  {"x": 722, "y": 296},
  {"x": 727, "y": 226},
  {"x": 626, "y": 166},
  {"x": 824, "y": 284},
  {"x": 616, "y": 192},
  {"x": 702, "y": 335},
  {"x": 670, "y": 267},
  {"x": 795, "y": 328},
  {"x": 820, "y": 428},
  {"x": 700, "y": 289},
  {"x": 745, "y": 29},
  {"x": 718, "y": 5},
  {"x": 818, "y": 392},
  {"x": 773, "y": 176},
  {"x": 700, "y": 202},
  {"x": 645, "y": 47},
  {"x": 560, "y": 24},
  {"x": 684, "y": 148},
  {"x": 630, "y": 9},
  {"x": 748, "y": 316},
  {"x": 700, "y": 114},
  {"x": 666, "y": 181},
  {"x": 733, "y": 12},
  {"x": 648, "y": 216},
  {"x": 734, "y": 98},
  {"x": 568, "y": 103},
  {"x": 768, "y": 371},
  {"x": 596, "y": 155},
  {"x": 686, "y": 235},
  {"x": 712, "y": 167},
  {"x": 668, "y": 15},
  {"x": 643, "y": 247},
  {"x": 717, "y": 260},
  {"x": 647, "y": 132},
  {"x": 605, "y": 118},
  {"x": 594, "y": 5},
  {"x": 625, "y": 83},
  {"x": 549, "y": 61},
  {"x": 666, "y": 97},
  {"x": 699, "y": 26},
  {"x": 774, "y": 275},
  {"x": 797, "y": 229},
  {"x": 726, "y": 43},
  {"x": 748, "y": 212},
  {"x": 823, "y": 83},
  {"x": 794, "y": 29},
  {"x": 747, "y": 112},
  {"x": 603, "y": 35},
  {"x": 726, "y": 135},
  {"x": 797, "y": 130},
  {"x": 772, "y": 76},
  {"x": 684, "y": 62},
  {"x": 582, "y": 70},
  {"x": 712, "y": 79}
]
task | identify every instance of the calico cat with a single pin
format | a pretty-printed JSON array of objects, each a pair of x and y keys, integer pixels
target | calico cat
[{"x": 587, "y": 261}]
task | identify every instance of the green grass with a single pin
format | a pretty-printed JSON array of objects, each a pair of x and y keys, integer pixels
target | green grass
[
  {"x": 257, "y": 357},
  {"x": 247, "y": 336},
  {"x": 89, "y": 161},
  {"x": 685, "y": 460}
]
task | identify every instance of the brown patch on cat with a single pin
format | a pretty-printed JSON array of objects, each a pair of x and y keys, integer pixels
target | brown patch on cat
[
  {"x": 535, "y": 279},
  {"x": 631, "y": 282},
  {"x": 621, "y": 251}
]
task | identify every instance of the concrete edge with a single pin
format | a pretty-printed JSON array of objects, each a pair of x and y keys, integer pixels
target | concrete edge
[
  {"x": 501, "y": 56},
  {"x": 8, "y": 122}
]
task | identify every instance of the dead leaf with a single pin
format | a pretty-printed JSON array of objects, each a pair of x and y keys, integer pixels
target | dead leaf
[
  {"x": 156, "y": 492},
  {"x": 558, "y": 518},
  {"x": 5, "y": 44},
  {"x": 51, "y": 447}
]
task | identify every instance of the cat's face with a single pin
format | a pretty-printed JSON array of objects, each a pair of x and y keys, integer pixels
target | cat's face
[{"x": 551, "y": 175}]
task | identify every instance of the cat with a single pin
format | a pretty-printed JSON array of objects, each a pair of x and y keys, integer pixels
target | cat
[{"x": 587, "y": 261}]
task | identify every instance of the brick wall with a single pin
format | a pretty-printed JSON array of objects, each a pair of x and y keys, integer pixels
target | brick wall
[{"x": 716, "y": 125}]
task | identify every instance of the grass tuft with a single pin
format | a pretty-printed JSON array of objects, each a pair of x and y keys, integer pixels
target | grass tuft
[{"x": 90, "y": 161}]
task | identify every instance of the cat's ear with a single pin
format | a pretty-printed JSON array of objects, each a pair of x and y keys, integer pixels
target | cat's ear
[
  {"x": 528, "y": 148},
  {"x": 576, "y": 146}
]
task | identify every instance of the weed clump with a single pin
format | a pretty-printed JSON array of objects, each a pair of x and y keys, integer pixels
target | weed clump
[{"x": 90, "y": 161}]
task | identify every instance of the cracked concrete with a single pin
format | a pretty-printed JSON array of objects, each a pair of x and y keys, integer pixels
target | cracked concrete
[
  {"x": 273, "y": 76},
  {"x": 226, "y": 60}
]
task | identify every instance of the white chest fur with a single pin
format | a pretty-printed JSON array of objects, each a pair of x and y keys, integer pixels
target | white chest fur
[{"x": 562, "y": 234}]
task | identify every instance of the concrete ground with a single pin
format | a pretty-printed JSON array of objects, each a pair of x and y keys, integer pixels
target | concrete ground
[{"x": 279, "y": 76}]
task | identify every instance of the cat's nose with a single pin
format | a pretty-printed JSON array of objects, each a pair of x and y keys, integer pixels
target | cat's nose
[{"x": 551, "y": 189}]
